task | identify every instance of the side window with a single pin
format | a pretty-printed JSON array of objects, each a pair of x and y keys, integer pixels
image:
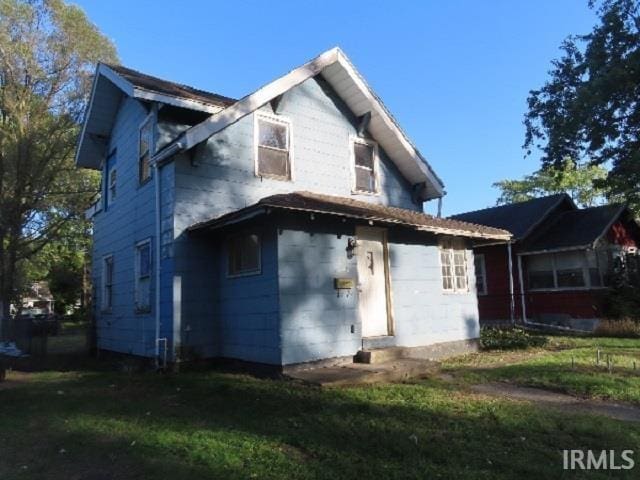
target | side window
[
  {"x": 145, "y": 149},
  {"x": 110, "y": 180},
  {"x": 244, "y": 255},
  {"x": 365, "y": 166},
  {"x": 143, "y": 277},
  {"x": 107, "y": 283},
  {"x": 453, "y": 262},
  {"x": 481, "y": 274},
  {"x": 273, "y": 147},
  {"x": 112, "y": 185}
]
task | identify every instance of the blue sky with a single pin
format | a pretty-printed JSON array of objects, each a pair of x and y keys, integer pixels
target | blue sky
[{"x": 454, "y": 73}]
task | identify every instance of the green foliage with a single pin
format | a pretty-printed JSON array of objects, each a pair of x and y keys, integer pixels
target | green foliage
[
  {"x": 589, "y": 109},
  {"x": 48, "y": 50},
  {"x": 623, "y": 299},
  {"x": 508, "y": 339},
  {"x": 576, "y": 180}
]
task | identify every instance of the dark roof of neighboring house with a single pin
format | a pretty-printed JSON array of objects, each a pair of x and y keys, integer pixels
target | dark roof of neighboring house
[
  {"x": 155, "y": 84},
  {"x": 518, "y": 218},
  {"x": 350, "y": 208},
  {"x": 578, "y": 228}
]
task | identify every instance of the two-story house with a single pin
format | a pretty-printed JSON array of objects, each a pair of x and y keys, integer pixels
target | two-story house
[{"x": 282, "y": 228}]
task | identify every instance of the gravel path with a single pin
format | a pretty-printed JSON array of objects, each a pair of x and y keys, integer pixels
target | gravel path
[{"x": 561, "y": 401}]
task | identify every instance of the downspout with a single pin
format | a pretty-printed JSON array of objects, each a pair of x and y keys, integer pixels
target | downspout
[
  {"x": 156, "y": 173},
  {"x": 520, "y": 277},
  {"x": 512, "y": 304}
]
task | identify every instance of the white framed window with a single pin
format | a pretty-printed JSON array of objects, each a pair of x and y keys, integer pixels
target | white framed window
[
  {"x": 107, "y": 283},
  {"x": 112, "y": 185},
  {"x": 364, "y": 154},
  {"x": 481, "y": 273},
  {"x": 244, "y": 256},
  {"x": 273, "y": 152},
  {"x": 453, "y": 263},
  {"x": 143, "y": 276},
  {"x": 145, "y": 149}
]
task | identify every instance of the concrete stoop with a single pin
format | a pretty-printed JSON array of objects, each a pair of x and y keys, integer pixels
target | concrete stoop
[
  {"x": 364, "y": 373},
  {"x": 433, "y": 352}
]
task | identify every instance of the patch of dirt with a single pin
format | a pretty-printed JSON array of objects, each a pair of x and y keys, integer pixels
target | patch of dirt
[
  {"x": 14, "y": 379},
  {"x": 561, "y": 401}
]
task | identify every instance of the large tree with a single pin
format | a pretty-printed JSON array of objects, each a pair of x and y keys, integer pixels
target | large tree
[
  {"x": 48, "y": 51},
  {"x": 576, "y": 180},
  {"x": 589, "y": 109}
]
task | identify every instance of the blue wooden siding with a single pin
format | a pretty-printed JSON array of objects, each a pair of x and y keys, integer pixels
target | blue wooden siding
[
  {"x": 315, "y": 321},
  {"x": 423, "y": 313},
  {"x": 224, "y": 180},
  {"x": 128, "y": 220}
]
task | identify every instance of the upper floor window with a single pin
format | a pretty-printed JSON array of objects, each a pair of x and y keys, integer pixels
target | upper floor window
[
  {"x": 145, "y": 149},
  {"x": 112, "y": 185},
  {"x": 453, "y": 261},
  {"x": 481, "y": 274},
  {"x": 107, "y": 282},
  {"x": 143, "y": 276},
  {"x": 244, "y": 255},
  {"x": 365, "y": 166},
  {"x": 273, "y": 147}
]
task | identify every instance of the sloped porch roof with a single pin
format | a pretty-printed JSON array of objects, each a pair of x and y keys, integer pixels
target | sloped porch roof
[{"x": 354, "y": 209}]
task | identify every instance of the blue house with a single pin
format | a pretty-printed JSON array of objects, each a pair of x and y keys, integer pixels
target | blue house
[{"x": 282, "y": 228}]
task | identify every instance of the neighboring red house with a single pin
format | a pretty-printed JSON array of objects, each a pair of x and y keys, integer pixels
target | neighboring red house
[{"x": 561, "y": 258}]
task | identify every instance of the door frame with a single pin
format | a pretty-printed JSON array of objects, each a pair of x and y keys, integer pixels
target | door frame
[{"x": 387, "y": 279}]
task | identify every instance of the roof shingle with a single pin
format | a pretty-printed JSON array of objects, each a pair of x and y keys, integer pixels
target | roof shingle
[
  {"x": 348, "y": 207},
  {"x": 518, "y": 218},
  {"x": 155, "y": 84}
]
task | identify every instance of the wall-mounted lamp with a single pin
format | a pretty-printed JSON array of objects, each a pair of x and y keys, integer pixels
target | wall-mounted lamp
[{"x": 351, "y": 247}]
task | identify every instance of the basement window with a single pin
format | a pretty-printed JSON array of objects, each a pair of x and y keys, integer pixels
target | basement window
[
  {"x": 273, "y": 152},
  {"x": 244, "y": 255},
  {"x": 365, "y": 166}
]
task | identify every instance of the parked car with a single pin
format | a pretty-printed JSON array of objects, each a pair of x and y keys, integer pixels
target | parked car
[{"x": 42, "y": 322}]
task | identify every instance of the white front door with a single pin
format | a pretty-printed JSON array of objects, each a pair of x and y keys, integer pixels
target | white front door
[{"x": 372, "y": 284}]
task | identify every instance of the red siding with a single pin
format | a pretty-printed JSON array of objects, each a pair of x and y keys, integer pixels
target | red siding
[
  {"x": 495, "y": 305},
  {"x": 577, "y": 304}
]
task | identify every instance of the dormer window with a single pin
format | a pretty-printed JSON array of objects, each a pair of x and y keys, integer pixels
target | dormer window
[
  {"x": 365, "y": 166},
  {"x": 145, "y": 150},
  {"x": 273, "y": 152}
]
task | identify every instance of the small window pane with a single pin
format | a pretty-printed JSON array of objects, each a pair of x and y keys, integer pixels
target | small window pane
[
  {"x": 481, "y": 280},
  {"x": 365, "y": 180},
  {"x": 244, "y": 254},
  {"x": 272, "y": 135},
  {"x": 273, "y": 162},
  {"x": 146, "y": 134},
  {"x": 145, "y": 138},
  {"x": 363, "y": 155},
  {"x": 570, "y": 277}
]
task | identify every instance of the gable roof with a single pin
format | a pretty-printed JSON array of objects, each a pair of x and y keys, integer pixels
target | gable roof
[
  {"x": 577, "y": 229},
  {"x": 165, "y": 87},
  {"x": 518, "y": 218},
  {"x": 110, "y": 83},
  {"x": 356, "y": 209},
  {"x": 338, "y": 71}
]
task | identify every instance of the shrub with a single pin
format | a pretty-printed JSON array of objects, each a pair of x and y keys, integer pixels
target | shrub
[
  {"x": 621, "y": 328},
  {"x": 508, "y": 339}
]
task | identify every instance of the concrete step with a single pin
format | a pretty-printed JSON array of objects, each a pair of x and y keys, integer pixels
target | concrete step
[{"x": 380, "y": 355}]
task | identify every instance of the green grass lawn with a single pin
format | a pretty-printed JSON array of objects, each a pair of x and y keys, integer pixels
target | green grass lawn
[
  {"x": 96, "y": 425},
  {"x": 566, "y": 364}
]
